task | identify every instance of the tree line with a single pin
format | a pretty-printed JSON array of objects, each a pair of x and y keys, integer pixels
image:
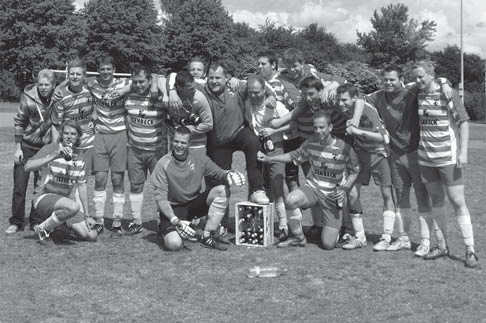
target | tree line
[{"x": 47, "y": 34}]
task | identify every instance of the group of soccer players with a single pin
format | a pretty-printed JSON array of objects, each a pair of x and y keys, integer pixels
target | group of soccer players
[{"x": 184, "y": 127}]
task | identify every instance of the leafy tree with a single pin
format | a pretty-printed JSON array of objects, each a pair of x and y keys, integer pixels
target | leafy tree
[
  {"x": 395, "y": 38},
  {"x": 128, "y": 30},
  {"x": 37, "y": 34},
  {"x": 199, "y": 28}
]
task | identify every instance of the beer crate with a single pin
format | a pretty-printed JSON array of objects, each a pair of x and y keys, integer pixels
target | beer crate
[{"x": 254, "y": 224}]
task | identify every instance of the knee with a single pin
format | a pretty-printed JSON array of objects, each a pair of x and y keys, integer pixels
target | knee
[
  {"x": 100, "y": 180},
  {"x": 327, "y": 244},
  {"x": 73, "y": 208},
  {"x": 136, "y": 188},
  {"x": 117, "y": 181},
  {"x": 291, "y": 202},
  {"x": 173, "y": 241},
  {"x": 221, "y": 191}
]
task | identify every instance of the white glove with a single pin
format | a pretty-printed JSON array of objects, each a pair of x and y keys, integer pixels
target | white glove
[
  {"x": 183, "y": 228},
  {"x": 234, "y": 177}
]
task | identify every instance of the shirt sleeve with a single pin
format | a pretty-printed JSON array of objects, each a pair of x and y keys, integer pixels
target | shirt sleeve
[
  {"x": 300, "y": 155},
  {"x": 159, "y": 180},
  {"x": 204, "y": 111},
  {"x": 352, "y": 162},
  {"x": 456, "y": 107},
  {"x": 212, "y": 170},
  {"x": 21, "y": 119}
]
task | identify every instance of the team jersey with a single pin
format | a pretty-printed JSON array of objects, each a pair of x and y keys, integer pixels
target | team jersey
[
  {"x": 282, "y": 95},
  {"x": 145, "y": 122},
  {"x": 259, "y": 116},
  {"x": 439, "y": 128},
  {"x": 77, "y": 107},
  {"x": 370, "y": 121},
  {"x": 199, "y": 107},
  {"x": 180, "y": 182},
  {"x": 329, "y": 164},
  {"x": 399, "y": 112},
  {"x": 305, "y": 121},
  {"x": 60, "y": 175},
  {"x": 110, "y": 112}
]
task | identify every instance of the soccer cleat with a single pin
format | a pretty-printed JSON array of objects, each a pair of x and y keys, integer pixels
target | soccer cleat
[
  {"x": 354, "y": 243},
  {"x": 212, "y": 243},
  {"x": 471, "y": 260},
  {"x": 436, "y": 252},
  {"x": 13, "y": 228},
  {"x": 134, "y": 228},
  {"x": 292, "y": 242},
  {"x": 44, "y": 236},
  {"x": 422, "y": 250},
  {"x": 223, "y": 231},
  {"x": 117, "y": 230},
  {"x": 259, "y": 197},
  {"x": 399, "y": 244},
  {"x": 283, "y": 235},
  {"x": 382, "y": 245},
  {"x": 99, "y": 228}
]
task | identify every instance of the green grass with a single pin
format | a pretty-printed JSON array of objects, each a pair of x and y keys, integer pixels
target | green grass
[{"x": 131, "y": 279}]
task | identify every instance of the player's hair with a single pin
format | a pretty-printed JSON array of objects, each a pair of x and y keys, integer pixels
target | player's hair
[
  {"x": 77, "y": 63},
  {"x": 311, "y": 82},
  {"x": 227, "y": 69},
  {"x": 292, "y": 55},
  {"x": 256, "y": 78},
  {"x": 106, "y": 60},
  {"x": 428, "y": 67},
  {"x": 272, "y": 57},
  {"x": 72, "y": 124},
  {"x": 394, "y": 68},
  {"x": 183, "y": 131},
  {"x": 139, "y": 68},
  {"x": 183, "y": 78},
  {"x": 350, "y": 88},
  {"x": 323, "y": 112},
  {"x": 47, "y": 74}
]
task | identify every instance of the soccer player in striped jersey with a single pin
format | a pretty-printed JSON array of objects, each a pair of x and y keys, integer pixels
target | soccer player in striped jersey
[
  {"x": 110, "y": 143},
  {"x": 371, "y": 144},
  {"x": 326, "y": 184},
  {"x": 442, "y": 153},
  {"x": 63, "y": 167},
  {"x": 146, "y": 139}
]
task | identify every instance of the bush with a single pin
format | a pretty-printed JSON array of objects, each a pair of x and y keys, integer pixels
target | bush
[
  {"x": 475, "y": 103},
  {"x": 8, "y": 90}
]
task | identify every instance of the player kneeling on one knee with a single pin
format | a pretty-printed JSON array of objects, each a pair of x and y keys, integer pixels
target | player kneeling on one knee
[
  {"x": 177, "y": 180},
  {"x": 326, "y": 186},
  {"x": 62, "y": 168}
]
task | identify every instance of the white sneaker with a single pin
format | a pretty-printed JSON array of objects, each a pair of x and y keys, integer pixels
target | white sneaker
[
  {"x": 399, "y": 244},
  {"x": 259, "y": 197},
  {"x": 422, "y": 250},
  {"x": 41, "y": 234},
  {"x": 354, "y": 243},
  {"x": 13, "y": 228},
  {"x": 382, "y": 245}
]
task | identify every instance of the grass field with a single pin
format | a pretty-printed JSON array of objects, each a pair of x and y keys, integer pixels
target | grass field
[{"x": 131, "y": 279}]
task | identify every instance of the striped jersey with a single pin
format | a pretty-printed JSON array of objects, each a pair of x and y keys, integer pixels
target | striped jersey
[
  {"x": 145, "y": 122},
  {"x": 439, "y": 128},
  {"x": 110, "y": 112},
  {"x": 371, "y": 121},
  {"x": 329, "y": 163},
  {"x": 77, "y": 107},
  {"x": 60, "y": 175},
  {"x": 258, "y": 117},
  {"x": 282, "y": 95}
]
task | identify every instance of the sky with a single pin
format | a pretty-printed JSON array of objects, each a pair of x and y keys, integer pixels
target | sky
[{"x": 344, "y": 17}]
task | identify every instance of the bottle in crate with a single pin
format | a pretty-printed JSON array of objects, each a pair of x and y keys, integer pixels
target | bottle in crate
[{"x": 254, "y": 224}]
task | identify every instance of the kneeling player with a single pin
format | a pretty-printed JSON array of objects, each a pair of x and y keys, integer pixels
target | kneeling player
[
  {"x": 177, "y": 179},
  {"x": 63, "y": 167},
  {"x": 330, "y": 159}
]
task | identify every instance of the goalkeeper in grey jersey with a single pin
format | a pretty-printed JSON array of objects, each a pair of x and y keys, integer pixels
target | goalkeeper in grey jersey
[{"x": 177, "y": 180}]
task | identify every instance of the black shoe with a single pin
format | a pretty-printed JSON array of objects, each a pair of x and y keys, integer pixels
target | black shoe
[
  {"x": 134, "y": 228},
  {"x": 99, "y": 228},
  {"x": 212, "y": 243},
  {"x": 471, "y": 260},
  {"x": 292, "y": 242},
  {"x": 283, "y": 235},
  {"x": 436, "y": 252}
]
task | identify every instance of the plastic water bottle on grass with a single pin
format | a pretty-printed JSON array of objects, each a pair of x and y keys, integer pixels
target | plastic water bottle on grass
[{"x": 265, "y": 271}]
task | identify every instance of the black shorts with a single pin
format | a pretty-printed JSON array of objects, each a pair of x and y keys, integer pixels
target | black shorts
[{"x": 194, "y": 209}]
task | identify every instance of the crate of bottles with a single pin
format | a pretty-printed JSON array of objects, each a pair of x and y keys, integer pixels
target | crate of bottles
[{"x": 254, "y": 224}]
